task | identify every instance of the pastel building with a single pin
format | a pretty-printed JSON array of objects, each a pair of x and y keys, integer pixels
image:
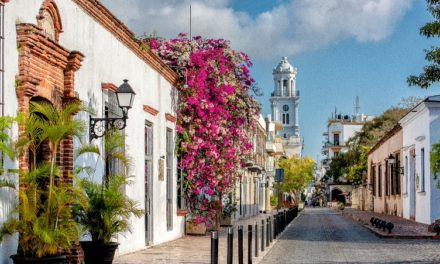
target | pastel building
[{"x": 384, "y": 174}]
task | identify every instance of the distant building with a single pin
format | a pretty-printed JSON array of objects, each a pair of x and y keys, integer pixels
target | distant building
[
  {"x": 285, "y": 106},
  {"x": 340, "y": 128}
]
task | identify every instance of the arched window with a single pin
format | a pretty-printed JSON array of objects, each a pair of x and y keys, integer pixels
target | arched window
[
  {"x": 49, "y": 20},
  {"x": 284, "y": 118},
  {"x": 47, "y": 25},
  {"x": 287, "y": 119}
]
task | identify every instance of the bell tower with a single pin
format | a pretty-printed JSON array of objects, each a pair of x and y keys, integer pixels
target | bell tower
[{"x": 284, "y": 106}]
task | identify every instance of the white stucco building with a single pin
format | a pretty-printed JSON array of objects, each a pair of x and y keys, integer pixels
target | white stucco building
[
  {"x": 59, "y": 50},
  {"x": 285, "y": 106},
  {"x": 340, "y": 128},
  {"x": 421, "y": 129}
]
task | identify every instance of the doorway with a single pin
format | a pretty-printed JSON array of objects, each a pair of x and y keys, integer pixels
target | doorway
[{"x": 148, "y": 183}]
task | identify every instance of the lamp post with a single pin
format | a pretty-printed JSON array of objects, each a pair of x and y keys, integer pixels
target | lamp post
[{"x": 99, "y": 126}]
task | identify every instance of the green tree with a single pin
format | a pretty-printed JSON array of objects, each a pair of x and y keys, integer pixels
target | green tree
[
  {"x": 431, "y": 72},
  {"x": 298, "y": 173}
]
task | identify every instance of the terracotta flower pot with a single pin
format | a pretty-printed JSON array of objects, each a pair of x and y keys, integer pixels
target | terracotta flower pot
[
  {"x": 225, "y": 220},
  {"x": 195, "y": 229}
]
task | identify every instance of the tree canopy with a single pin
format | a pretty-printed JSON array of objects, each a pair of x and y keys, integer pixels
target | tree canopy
[
  {"x": 431, "y": 72},
  {"x": 298, "y": 173}
]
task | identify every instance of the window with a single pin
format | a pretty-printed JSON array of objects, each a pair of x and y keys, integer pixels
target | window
[
  {"x": 395, "y": 176},
  {"x": 387, "y": 179},
  {"x": 284, "y": 118},
  {"x": 285, "y": 108},
  {"x": 148, "y": 134},
  {"x": 169, "y": 166},
  {"x": 285, "y": 88},
  {"x": 373, "y": 179},
  {"x": 287, "y": 119},
  {"x": 406, "y": 174},
  {"x": 48, "y": 25},
  {"x": 112, "y": 109},
  {"x": 336, "y": 139},
  {"x": 422, "y": 167},
  {"x": 379, "y": 181}
]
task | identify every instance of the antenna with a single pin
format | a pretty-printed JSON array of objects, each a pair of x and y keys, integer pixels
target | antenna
[
  {"x": 190, "y": 24},
  {"x": 357, "y": 107}
]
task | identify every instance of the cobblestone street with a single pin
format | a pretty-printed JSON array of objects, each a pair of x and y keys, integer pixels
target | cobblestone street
[{"x": 322, "y": 235}]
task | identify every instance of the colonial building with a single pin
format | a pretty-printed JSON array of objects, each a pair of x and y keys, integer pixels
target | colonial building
[
  {"x": 384, "y": 178},
  {"x": 250, "y": 192},
  {"x": 421, "y": 129},
  {"x": 285, "y": 106},
  {"x": 340, "y": 128},
  {"x": 62, "y": 50}
]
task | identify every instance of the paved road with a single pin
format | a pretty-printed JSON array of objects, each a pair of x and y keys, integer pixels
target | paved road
[{"x": 321, "y": 235}]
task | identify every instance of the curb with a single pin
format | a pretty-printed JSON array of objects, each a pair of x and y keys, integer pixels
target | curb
[{"x": 390, "y": 236}]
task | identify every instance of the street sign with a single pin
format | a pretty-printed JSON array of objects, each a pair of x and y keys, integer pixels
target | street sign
[{"x": 279, "y": 173}]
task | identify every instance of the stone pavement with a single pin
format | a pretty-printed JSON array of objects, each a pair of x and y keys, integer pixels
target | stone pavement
[
  {"x": 323, "y": 235},
  {"x": 403, "y": 228},
  {"x": 194, "y": 249}
]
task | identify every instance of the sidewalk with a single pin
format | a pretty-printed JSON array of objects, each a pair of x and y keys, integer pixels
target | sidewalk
[
  {"x": 403, "y": 228},
  {"x": 196, "y": 249}
]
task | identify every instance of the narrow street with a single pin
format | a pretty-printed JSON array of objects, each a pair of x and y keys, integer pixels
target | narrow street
[{"x": 322, "y": 235}]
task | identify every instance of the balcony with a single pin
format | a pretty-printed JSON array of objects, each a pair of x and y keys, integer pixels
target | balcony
[{"x": 270, "y": 147}]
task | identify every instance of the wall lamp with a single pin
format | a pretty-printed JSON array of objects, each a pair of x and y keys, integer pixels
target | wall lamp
[{"x": 99, "y": 126}]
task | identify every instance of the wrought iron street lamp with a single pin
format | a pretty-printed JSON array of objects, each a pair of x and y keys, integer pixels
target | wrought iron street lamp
[
  {"x": 99, "y": 126},
  {"x": 391, "y": 159}
]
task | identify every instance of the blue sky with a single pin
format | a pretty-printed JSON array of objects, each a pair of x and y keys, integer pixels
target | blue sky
[{"x": 341, "y": 48}]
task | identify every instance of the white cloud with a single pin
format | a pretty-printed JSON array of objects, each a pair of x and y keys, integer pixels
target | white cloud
[{"x": 288, "y": 29}]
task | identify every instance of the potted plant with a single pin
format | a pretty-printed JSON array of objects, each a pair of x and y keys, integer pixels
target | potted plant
[
  {"x": 106, "y": 213},
  {"x": 42, "y": 217},
  {"x": 228, "y": 208},
  {"x": 341, "y": 206}
]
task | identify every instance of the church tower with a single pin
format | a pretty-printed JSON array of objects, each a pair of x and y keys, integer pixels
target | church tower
[{"x": 284, "y": 106}]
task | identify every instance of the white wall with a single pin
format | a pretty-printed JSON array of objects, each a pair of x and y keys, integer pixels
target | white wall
[
  {"x": 107, "y": 60},
  {"x": 416, "y": 135}
]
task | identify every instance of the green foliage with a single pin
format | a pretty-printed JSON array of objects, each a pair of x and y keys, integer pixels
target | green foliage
[
  {"x": 43, "y": 225},
  {"x": 434, "y": 159},
  {"x": 341, "y": 206},
  {"x": 6, "y": 150},
  {"x": 273, "y": 200},
  {"x": 107, "y": 210},
  {"x": 298, "y": 173},
  {"x": 44, "y": 217},
  {"x": 431, "y": 72}
]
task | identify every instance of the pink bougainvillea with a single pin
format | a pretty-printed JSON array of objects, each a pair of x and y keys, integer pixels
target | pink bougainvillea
[{"x": 215, "y": 112}]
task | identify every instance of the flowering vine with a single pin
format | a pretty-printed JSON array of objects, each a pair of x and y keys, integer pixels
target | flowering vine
[{"x": 215, "y": 113}]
